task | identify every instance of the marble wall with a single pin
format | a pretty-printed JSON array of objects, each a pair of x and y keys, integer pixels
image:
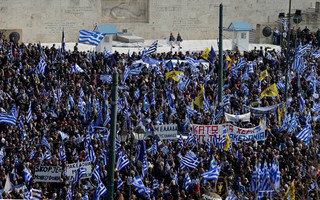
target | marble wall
[{"x": 44, "y": 20}]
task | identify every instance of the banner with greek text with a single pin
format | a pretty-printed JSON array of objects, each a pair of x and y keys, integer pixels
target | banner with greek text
[
  {"x": 47, "y": 173},
  {"x": 72, "y": 169},
  {"x": 166, "y": 132},
  {"x": 236, "y": 134}
]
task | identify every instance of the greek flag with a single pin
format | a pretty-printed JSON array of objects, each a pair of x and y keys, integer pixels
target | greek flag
[
  {"x": 293, "y": 123},
  {"x": 92, "y": 155},
  {"x": 8, "y": 118},
  {"x": 190, "y": 111},
  {"x": 106, "y": 53},
  {"x": 107, "y": 119},
  {"x": 47, "y": 155},
  {"x": 32, "y": 154},
  {"x": 135, "y": 71},
  {"x": 79, "y": 174},
  {"x": 181, "y": 142},
  {"x": 191, "y": 62},
  {"x": 316, "y": 107},
  {"x": 62, "y": 153},
  {"x": 125, "y": 74},
  {"x": 183, "y": 83},
  {"x": 280, "y": 85},
  {"x": 96, "y": 173},
  {"x": 296, "y": 63},
  {"x": 186, "y": 122},
  {"x": 91, "y": 37},
  {"x": 284, "y": 23},
  {"x": 206, "y": 104},
  {"x": 265, "y": 185},
  {"x": 303, "y": 50},
  {"x": 155, "y": 184},
  {"x": 301, "y": 103},
  {"x": 189, "y": 160},
  {"x": 119, "y": 183},
  {"x": 26, "y": 175},
  {"x": 305, "y": 134},
  {"x": 208, "y": 146},
  {"x": 212, "y": 174},
  {"x": 105, "y": 157},
  {"x": 187, "y": 181},
  {"x": 99, "y": 191},
  {"x": 118, "y": 145},
  {"x": 106, "y": 78},
  {"x": 137, "y": 94},
  {"x": 41, "y": 66},
  {"x": 29, "y": 115},
  {"x": 254, "y": 180},
  {"x": 269, "y": 56},
  {"x": 160, "y": 118},
  {"x": 137, "y": 183},
  {"x": 152, "y": 48},
  {"x": 69, "y": 193},
  {"x": 45, "y": 142},
  {"x": 153, "y": 148},
  {"x": 76, "y": 68},
  {"x": 122, "y": 161},
  {"x": 20, "y": 123},
  {"x": 231, "y": 196}
]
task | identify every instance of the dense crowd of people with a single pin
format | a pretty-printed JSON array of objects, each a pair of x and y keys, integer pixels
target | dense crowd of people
[{"x": 72, "y": 95}]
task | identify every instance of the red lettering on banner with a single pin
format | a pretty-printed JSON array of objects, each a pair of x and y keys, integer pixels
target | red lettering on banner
[
  {"x": 201, "y": 129},
  {"x": 230, "y": 128},
  {"x": 194, "y": 128},
  {"x": 208, "y": 129},
  {"x": 218, "y": 137},
  {"x": 201, "y": 138},
  {"x": 214, "y": 129}
]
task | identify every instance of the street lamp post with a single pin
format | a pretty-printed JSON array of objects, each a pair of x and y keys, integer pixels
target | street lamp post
[{"x": 288, "y": 50}]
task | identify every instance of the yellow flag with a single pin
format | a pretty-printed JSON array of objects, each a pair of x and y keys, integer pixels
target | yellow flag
[
  {"x": 227, "y": 143},
  {"x": 263, "y": 75},
  {"x": 205, "y": 54},
  {"x": 271, "y": 91},
  {"x": 199, "y": 100},
  {"x": 173, "y": 75},
  {"x": 292, "y": 191}
]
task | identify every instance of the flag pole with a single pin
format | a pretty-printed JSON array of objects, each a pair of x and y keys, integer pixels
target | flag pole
[
  {"x": 112, "y": 137},
  {"x": 288, "y": 50},
  {"x": 220, "y": 70}
]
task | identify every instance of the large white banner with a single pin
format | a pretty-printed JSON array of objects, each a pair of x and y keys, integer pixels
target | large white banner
[
  {"x": 235, "y": 118},
  {"x": 236, "y": 134},
  {"x": 165, "y": 132},
  {"x": 47, "y": 173},
  {"x": 72, "y": 169}
]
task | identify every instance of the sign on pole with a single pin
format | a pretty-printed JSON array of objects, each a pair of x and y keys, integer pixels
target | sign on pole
[
  {"x": 166, "y": 132},
  {"x": 72, "y": 169},
  {"x": 47, "y": 173}
]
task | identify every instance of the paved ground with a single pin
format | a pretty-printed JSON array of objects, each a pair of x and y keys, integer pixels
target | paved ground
[{"x": 187, "y": 45}]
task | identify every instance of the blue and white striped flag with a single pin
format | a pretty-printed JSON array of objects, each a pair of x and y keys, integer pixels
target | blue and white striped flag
[
  {"x": 206, "y": 104},
  {"x": 96, "y": 174},
  {"x": 122, "y": 161},
  {"x": 153, "y": 148},
  {"x": 47, "y": 155},
  {"x": 135, "y": 71},
  {"x": 254, "y": 185},
  {"x": 137, "y": 94},
  {"x": 138, "y": 184},
  {"x": 69, "y": 193},
  {"x": 92, "y": 155},
  {"x": 119, "y": 183},
  {"x": 181, "y": 142},
  {"x": 269, "y": 56},
  {"x": 99, "y": 191},
  {"x": 191, "y": 62},
  {"x": 8, "y": 118},
  {"x": 152, "y": 48},
  {"x": 280, "y": 85},
  {"x": 106, "y": 78},
  {"x": 212, "y": 174},
  {"x": 301, "y": 103},
  {"x": 187, "y": 181},
  {"x": 155, "y": 184},
  {"x": 125, "y": 73},
  {"x": 62, "y": 153},
  {"x": 293, "y": 123},
  {"x": 160, "y": 118},
  {"x": 45, "y": 142},
  {"x": 29, "y": 115},
  {"x": 186, "y": 122},
  {"x": 81, "y": 172},
  {"x": 91, "y": 37},
  {"x": 183, "y": 83},
  {"x": 305, "y": 134},
  {"x": 20, "y": 123},
  {"x": 41, "y": 66},
  {"x": 76, "y": 68},
  {"x": 284, "y": 24},
  {"x": 32, "y": 154},
  {"x": 208, "y": 145},
  {"x": 105, "y": 157},
  {"x": 26, "y": 175},
  {"x": 190, "y": 160},
  {"x": 190, "y": 111}
]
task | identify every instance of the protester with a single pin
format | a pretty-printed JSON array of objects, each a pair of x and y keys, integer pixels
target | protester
[{"x": 58, "y": 104}]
